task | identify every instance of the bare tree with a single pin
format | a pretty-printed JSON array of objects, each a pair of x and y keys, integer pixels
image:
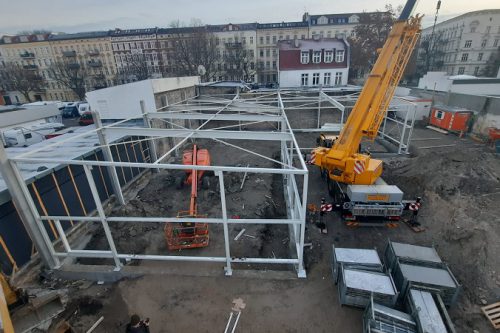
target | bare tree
[
  {"x": 70, "y": 74},
  {"x": 134, "y": 69},
  {"x": 194, "y": 47},
  {"x": 431, "y": 53},
  {"x": 492, "y": 65},
  {"x": 24, "y": 79},
  {"x": 238, "y": 61},
  {"x": 369, "y": 35}
]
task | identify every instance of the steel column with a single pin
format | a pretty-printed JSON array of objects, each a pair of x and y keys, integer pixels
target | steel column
[
  {"x": 102, "y": 215},
  {"x": 27, "y": 210},
  {"x": 151, "y": 142},
  {"x": 106, "y": 151},
  {"x": 228, "y": 269}
]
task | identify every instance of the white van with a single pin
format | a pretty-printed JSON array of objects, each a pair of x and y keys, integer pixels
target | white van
[
  {"x": 23, "y": 136},
  {"x": 83, "y": 107}
]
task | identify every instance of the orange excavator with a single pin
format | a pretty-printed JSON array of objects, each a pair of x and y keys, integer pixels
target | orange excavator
[{"x": 188, "y": 235}]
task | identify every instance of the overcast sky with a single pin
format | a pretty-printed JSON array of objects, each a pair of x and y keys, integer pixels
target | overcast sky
[{"x": 88, "y": 15}]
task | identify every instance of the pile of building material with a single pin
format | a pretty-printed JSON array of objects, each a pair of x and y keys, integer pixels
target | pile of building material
[
  {"x": 360, "y": 277},
  {"x": 365, "y": 259},
  {"x": 424, "y": 283},
  {"x": 419, "y": 267},
  {"x": 380, "y": 318}
]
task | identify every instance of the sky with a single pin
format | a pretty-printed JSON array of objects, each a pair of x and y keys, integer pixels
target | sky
[{"x": 88, "y": 15}]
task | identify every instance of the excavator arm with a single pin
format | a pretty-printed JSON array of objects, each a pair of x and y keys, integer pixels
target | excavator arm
[{"x": 343, "y": 162}]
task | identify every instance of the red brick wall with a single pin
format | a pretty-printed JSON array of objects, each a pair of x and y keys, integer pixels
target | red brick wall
[{"x": 290, "y": 59}]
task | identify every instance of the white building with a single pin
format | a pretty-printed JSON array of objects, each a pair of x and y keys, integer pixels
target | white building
[
  {"x": 313, "y": 62},
  {"x": 464, "y": 44}
]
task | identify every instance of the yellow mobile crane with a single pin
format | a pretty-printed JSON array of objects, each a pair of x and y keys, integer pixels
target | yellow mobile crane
[{"x": 353, "y": 177}]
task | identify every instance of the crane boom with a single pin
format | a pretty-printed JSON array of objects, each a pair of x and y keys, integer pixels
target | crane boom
[{"x": 343, "y": 162}]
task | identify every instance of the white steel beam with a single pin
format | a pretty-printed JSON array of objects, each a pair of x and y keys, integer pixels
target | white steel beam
[
  {"x": 209, "y": 116},
  {"x": 200, "y": 134}
]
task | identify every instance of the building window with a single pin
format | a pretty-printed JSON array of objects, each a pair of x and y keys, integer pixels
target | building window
[
  {"x": 261, "y": 40},
  {"x": 328, "y": 56},
  {"x": 268, "y": 52},
  {"x": 303, "y": 37},
  {"x": 476, "y": 70},
  {"x": 461, "y": 70},
  {"x": 268, "y": 39},
  {"x": 473, "y": 29},
  {"x": 304, "y": 79},
  {"x": 480, "y": 57},
  {"x": 327, "y": 79},
  {"x": 274, "y": 52},
  {"x": 338, "y": 78},
  {"x": 488, "y": 28},
  {"x": 274, "y": 39},
  {"x": 261, "y": 52},
  {"x": 439, "y": 114},
  {"x": 468, "y": 43},
  {"x": 495, "y": 43},
  {"x": 251, "y": 40},
  {"x": 274, "y": 64},
  {"x": 465, "y": 56},
  {"x": 316, "y": 58},
  {"x": 268, "y": 65},
  {"x": 339, "y": 56},
  {"x": 304, "y": 57},
  {"x": 315, "y": 79},
  {"x": 484, "y": 42}
]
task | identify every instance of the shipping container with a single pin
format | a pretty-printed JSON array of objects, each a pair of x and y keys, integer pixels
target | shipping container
[{"x": 450, "y": 118}]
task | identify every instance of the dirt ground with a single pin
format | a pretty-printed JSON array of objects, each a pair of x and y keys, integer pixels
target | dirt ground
[{"x": 460, "y": 187}]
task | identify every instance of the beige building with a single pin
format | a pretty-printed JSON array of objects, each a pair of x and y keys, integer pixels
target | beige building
[
  {"x": 236, "y": 50},
  {"x": 91, "y": 51},
  {"x": 268, "y": 35},
  {"x": 332, "y": 25},
  {"x": 32, "y": 52}
]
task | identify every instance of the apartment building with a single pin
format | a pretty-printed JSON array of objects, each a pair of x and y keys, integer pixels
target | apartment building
[
  {"x": 31, "y": 52},
  {"x": 137, "y": 54},
  {"x": 333, "y": 25},
  {"x": 268, "y": 36},
  {"x": 236, "y": 51},
  {"x": 464, "y": 44},
  {"x": 92, "y": 52},
  {"x": 313, "y": 62}
]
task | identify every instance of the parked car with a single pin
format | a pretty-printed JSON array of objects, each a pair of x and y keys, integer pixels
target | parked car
[
  {"x": 86, "y": 119},
  {"x": 71, "y": 110},
  {"x": 83, "y": 107}
]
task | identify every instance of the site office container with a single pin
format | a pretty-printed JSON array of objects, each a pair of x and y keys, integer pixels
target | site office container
[{"x": 450, "y": 118}]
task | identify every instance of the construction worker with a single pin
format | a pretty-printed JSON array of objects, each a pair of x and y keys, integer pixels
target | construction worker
[
  {"x": 137, "y": 325},
  {"x": 415, "y": 207}
]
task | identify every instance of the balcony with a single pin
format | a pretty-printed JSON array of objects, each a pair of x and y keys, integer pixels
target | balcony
[
  {"x": 93, "y": 53},
  {"x": 69, "y": 54},
  {"x": 95, "y": 64},
  {"x": 27, "y": 55},
  {"x": 233, "y": 45},
  {"x": 30, "y": 67}
]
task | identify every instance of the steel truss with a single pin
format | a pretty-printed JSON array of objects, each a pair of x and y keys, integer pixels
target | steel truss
[{"x": 200, "y": 112}]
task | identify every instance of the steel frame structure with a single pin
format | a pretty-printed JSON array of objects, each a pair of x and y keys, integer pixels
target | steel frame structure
[
  {"x": 200, "y": 109},
  {"x": 193, "y": 118}
]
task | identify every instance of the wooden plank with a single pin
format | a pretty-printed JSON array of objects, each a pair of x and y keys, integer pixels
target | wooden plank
[
  {"x": 492, "y": 312},
  {"x": 437, "y": 129}
]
